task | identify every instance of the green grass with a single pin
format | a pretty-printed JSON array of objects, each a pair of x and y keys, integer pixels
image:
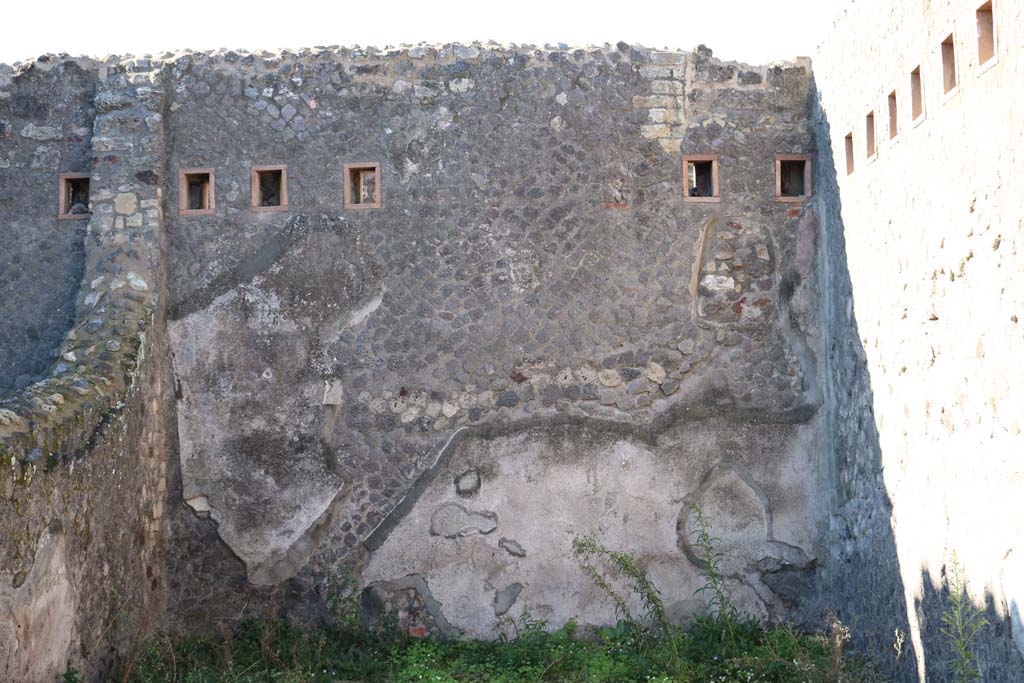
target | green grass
[{"x": 724, "y": 649}]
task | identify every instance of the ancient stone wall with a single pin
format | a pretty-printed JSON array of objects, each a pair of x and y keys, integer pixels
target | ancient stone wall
[
  {"x": 46, "y": 125},
  {"x": 522, "y": 331},
  {"x": 532, "y": 277},
  {"x": 83, "y": 479},
  {"x": 923, "y": 298}
]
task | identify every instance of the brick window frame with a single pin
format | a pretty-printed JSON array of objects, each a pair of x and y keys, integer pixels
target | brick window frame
[
  {"x": 211, "y": 203},
  {"x": 347, "y": 179},
  {"x": 988, "y": 37},
  {"x": 950, "y": 66},
  {"x": 918, "y": 105},
  {"x": 779, "y": 158},
  {"x": 870, "y": 141},
  {"x": 254, "y": 178},
  {"x": 892, "y": 106},
  {"x": 701, "y": 158},
  {"x": 64, "y": 197}
]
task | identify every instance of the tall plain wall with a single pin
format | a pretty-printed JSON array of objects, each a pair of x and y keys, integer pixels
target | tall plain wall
[{"x": 923, "y": 296}]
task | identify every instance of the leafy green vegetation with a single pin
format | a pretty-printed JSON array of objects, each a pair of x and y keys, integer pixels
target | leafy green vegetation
[
  {"x": 720, "y": 649},
  {"x": 961, "y": 622}
]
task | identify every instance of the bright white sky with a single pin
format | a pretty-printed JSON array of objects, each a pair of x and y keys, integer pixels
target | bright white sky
[{"x": 754, "y": 31}]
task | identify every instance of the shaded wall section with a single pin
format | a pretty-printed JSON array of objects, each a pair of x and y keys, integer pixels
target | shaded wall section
[
  {"x": 46, "y": 126},
  {"x": 924, "y": 340}
]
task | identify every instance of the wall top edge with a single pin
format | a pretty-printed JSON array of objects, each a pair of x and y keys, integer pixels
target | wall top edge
[{"x": 427, "y": 52}]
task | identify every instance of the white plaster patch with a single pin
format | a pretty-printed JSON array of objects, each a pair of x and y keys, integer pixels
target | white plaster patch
[{"x": 36, "y": 619}]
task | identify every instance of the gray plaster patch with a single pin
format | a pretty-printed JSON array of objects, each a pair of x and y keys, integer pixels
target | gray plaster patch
[
  {"x": 506, "y": 597},
  {"x": 512, "y": 547},
  {"x": 453, "y": 521}
]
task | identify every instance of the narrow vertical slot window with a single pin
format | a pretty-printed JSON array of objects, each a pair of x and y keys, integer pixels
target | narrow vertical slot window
[
  {"x": 362, "y": 186},
  {"x": 792, "y": 177},
  {"x": 916, "y": 95},
  {"x": 869, "y": 134},
  {"x": 986, "y": 34},
  {"x": 73, "y": 196},
  {"x": 700, "y": 178},
  {"x": 196, "y": 191},
  {"x": 893, "y": 118},
  {"x": 949, "y": 80},
  {"x": 849, "y": 153},
  {"x": 269, "y": 188}
]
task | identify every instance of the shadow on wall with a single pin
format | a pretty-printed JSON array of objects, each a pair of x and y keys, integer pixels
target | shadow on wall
[
  {"x": 993, "y": 646},
  {"x": 862, "y": 580}
]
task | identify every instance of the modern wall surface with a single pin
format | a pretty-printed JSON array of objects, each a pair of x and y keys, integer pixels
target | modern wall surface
[{"x": 924, "y": 299}]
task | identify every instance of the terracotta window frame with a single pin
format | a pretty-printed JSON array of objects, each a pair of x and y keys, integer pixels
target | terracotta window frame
[
  {"x": 870, "y": 142},
  {"x": 183, "y": 192},
  {"x": 892, "y": 103},
  {"x": 917, "y": 99},
  {"x": 988, "y": 36},
  {"x": 254, "y": 177},
  {"x": 950, "y": 66},
  {"x": 64, "y": 197},
  {"x": 347, "y": 182},
  {"x": 848, "y": 144},
  {"x": 701, "y": 158},
  {"x": 779, "y": 158}
]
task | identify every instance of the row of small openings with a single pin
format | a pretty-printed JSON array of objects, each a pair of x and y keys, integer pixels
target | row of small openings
[
  {"x": 950, "y": 80},
  {"x": 792, "y": 177},
  {"x": 269, "y": 187}
]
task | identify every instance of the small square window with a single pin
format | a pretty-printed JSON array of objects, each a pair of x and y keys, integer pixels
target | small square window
[
  {"x": 362, "y": 186},
  {"x": 893, "y": 119},
  {"x": 849, "y": 153},
  {"x": 916, "y": 95},
  {"x": 869, "y": 133},
  {"x": 986, "y": 34},
  {"x": 269, "y": 188},
  {"x": 792, "y": 177},
  {"x": 700, "y": 178},
  {"x": 949, "y": 80},
  {"x": 196, "y": 191},
  {"x": 73, "y": 196}
]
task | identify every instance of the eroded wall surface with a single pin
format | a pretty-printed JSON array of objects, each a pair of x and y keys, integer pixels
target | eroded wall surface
[
  {"x": 923, "y": 249},
  {"x": 489, "y": 540},
  {"x": 533, "y": 265}
]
